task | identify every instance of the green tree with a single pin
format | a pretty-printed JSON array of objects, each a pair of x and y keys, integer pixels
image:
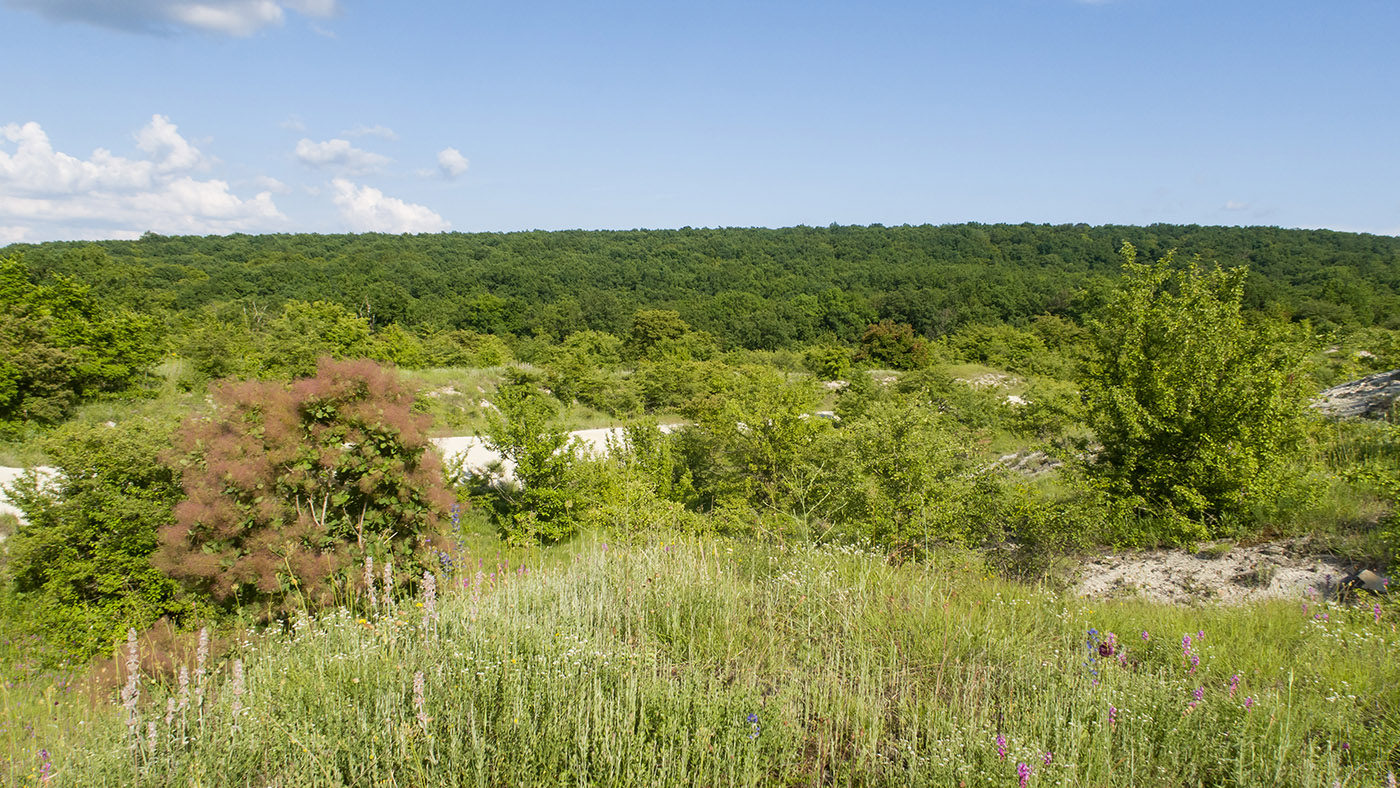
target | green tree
[
  {"x": 82, "y": 560},
  {"x": 537, "y": 505},
  {"x": 1193, "y": 403},
  {"x": 893, "y": 345}
]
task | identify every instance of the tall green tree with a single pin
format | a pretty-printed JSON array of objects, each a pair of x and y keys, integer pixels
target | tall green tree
[{"x": 1194, "y": 404}]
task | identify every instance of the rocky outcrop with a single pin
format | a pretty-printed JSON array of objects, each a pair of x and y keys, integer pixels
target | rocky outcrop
[{"x": 1371, "y": 397}]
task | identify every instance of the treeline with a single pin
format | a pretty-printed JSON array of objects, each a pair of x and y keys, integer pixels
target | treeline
[{"x": 756, "y": 289}]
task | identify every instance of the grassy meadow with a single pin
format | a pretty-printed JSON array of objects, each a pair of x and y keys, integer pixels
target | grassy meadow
[{"x": 702, "y": 661}]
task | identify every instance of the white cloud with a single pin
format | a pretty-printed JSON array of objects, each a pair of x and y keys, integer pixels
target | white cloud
[
  {"x": 367, "y": 209},
  {"x": 10, "y": 234},
  {"x": 226, "y": 17},
  {"x": 162, "y": 138},
  {"x": 271, "y": 184},
  {"x": 382, "y": 132},
  {"x": 1232, "y": 205},
  {"x": 452, "y": 162},
  {"x": 338, "y": 153},
  {"x": 57, "y": 195}
]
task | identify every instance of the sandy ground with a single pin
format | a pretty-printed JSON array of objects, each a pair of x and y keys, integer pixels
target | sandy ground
[
  {"x": 476, "y": 456},
  {"x": 1286, "y": 569}
]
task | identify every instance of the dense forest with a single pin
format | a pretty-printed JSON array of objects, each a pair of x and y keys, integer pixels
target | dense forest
[{"x": 749, "y": 288}]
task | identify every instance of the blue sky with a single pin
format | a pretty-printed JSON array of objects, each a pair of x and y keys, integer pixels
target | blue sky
[{"x": 216, "y": 116}]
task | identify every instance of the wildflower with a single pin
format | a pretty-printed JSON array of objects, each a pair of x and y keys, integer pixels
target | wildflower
[
  {"x": 169, "y": 711},
  {"x": 389, "y": 583},
  {"x": 1145, "y": 636},
  {"x": 45, "y": 767},
  {"x": 430, "y": 614},
  {"x": 369, "y": 582},
  {"x": 151, "y": 737},
  {"x": 1248, "y": 702},
  {"x": 419, "y": 702},
  {"x": 201, "y": 658},
  {"x": 1376, "y": 611},
  {"x": 236, "y": 687},
  {"x": 1113, "y": 715},
  {"x": 1048, "y": 757},
  {"x": 1234, "y": 684},
  {"x": 131, "y": 692},
  {"x": 1199, "y": 694},
  {"x": 1023, "y": 771},
  {"x": 1185, "y": 645},
  {"x": 1200, "y": 634},
  {"x": 1001, "y": 746}
]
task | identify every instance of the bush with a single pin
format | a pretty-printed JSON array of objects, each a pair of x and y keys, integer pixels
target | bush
[
  {"x": 82, "y": 562},
  {"x": 290, "y": 485},
  {"x": 1194, "y": 404},
  {"x": 539, "y": 504},
  {"x": 893, "y": 345}
]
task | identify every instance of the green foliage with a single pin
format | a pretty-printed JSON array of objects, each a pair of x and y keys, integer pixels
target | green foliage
[
  {"x": 289, "y": 485},
  {"x": 893, "y": 346},
  {"x": 748, "y": 443},
  {"x": 903, "y": 475},
  {"x": 539, "y": 504},
  {"x": 827, "y": 361},
  {"x": 81, "y": 564},
  {"x": 59, "y": 345},
  {"x": 466, "y": 349},
  {"x": 1193, "y": 403}
]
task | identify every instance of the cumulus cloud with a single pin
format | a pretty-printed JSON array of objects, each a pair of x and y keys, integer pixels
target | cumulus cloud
[
  {"x": 382, "y": 132},
  {"x": 1231, "y": 205},
  {"x": 452, "y": 162},
  {"x": 338, "y": 153},
  {"x": 53, "y": 194},
  {"x": 367, "y": 209},
  {"x": 225, "y": 17}
]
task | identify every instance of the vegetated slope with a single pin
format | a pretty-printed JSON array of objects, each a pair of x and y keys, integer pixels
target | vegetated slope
[
  {"x": 710, "y": 662},
  {"x": 750, "y": 287}
]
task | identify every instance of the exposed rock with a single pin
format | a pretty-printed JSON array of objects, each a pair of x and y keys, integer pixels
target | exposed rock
[
  {"x": 1371, "y": 397},
  {"x": 1240, "y": 574},
  {"x": 1031, "y": 463}
]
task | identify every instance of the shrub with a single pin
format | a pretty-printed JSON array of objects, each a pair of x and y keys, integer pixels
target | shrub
[
  {"x": 289, "y": 485},
  {"x": 82, "y": 561},
  {"x": 538, "y": 504},
  {"x": 893, "y": 345},
  {"x": 1194, "y": 404}
]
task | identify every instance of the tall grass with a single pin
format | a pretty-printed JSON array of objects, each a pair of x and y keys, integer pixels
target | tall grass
[{"x": 709, "y": 662}]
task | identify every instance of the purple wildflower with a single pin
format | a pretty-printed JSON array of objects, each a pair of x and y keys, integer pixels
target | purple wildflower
[
  {"x": 1112, "y": 715},
  {"x": 1199, "y": 693},
  {"x": 1048, "y": 758},
  {"x": 45, "y": 767},
  {"x": 1376, "y": 611},
  {"x": 1145, "y": 636},
  {"x": 1249, "y": 702},
  {"x": 1023, "y": 771},
  {"x": 1234, "y": 684},
  {"x": 1001, "y": 746}
]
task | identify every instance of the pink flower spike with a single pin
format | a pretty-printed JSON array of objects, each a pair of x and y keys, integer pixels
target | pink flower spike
[{"x": 1023, "y": 771}]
